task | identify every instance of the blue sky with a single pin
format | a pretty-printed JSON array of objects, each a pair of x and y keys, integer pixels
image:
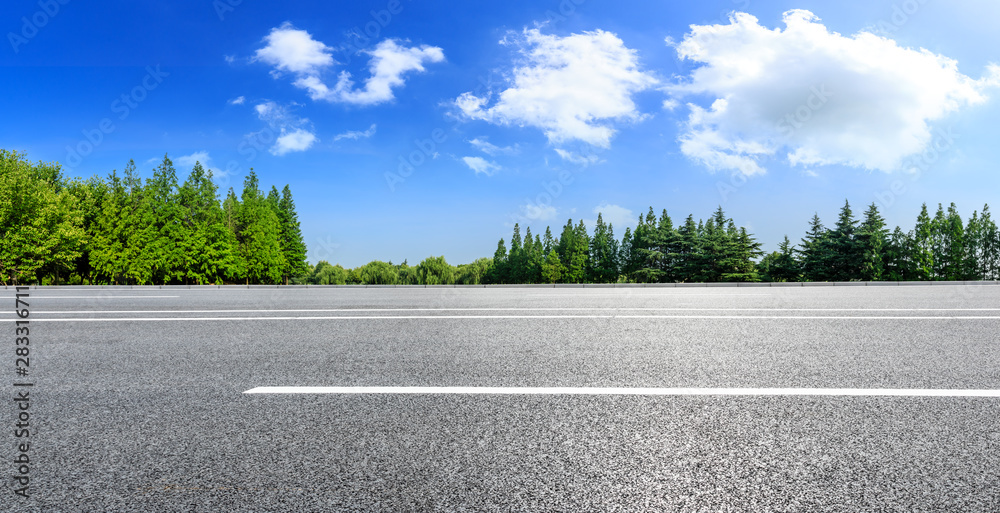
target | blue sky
[{"x": 433, "y": 129}]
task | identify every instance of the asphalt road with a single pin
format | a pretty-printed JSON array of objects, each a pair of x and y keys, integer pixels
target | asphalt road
[{"x": 139, "y": 403}]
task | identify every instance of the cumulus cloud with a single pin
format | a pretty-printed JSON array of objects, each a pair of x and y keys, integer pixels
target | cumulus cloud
[
  {"x": 188, "y": 162},
  {"x": 294, "y": 51},
  {"x": 582, "y": 160},
  {"x": 239, "y": 100},
  {"x": 493, "y": 150},
  {"x": 572, "y": 88},
  {"x": 390, "y": 61},
  {"x": 293, "y": 133},
  {"x": 615, "y": 215},
  {"x": 481, "y": 165},
  {"x": 814, "y": 96},
  {"x": 356, "y": 134},
  {"x": 538, "y": 212},
  {"x": 297, "y": 140}
]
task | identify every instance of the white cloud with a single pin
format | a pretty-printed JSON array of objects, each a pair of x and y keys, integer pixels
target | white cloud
[
  {"x": 481, "y": 165},
  {"x": 355, "y": 134},
  {"x": 293, "y": 133},
  {"x": 816, "y": 96},
  {"x": 298, "y": 140},
  {"x": 615, "y": 215},
  {"x": 188, "y": 161},
  {"x": 570, "y": 87},
  {"x": 582, "y": 160},
  {"x": 295, "y": 51},
  {"x": 538, "y": 212},
  {"x": 389, "y": 63},
  {"x": 670, "y": 104},
  {"x": 239, "y": 100},
  {"x": 230, "y": 59},
  {"x": 493, "y": 150}
]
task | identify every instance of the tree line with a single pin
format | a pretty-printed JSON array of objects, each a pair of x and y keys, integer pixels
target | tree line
[
  {"x": 126, "y": 230},
  {"x": 942, "y": 247}
]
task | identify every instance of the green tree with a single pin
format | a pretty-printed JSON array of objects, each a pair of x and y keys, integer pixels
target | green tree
[
  {"x": 922, "y": 250},
  {"x": 40, "y": 222},
  {"x": 872, "y": 239},
  {"x": 258, "y": 235},
  {"x": 473, "y": 273},
  {"x": 326, "y": 274},
  {"x": 782, "y": 265},
  {"x": 552, "y": 268},
  {"x": 293, "y": 248},
  {"x": 498, "y": 272},
  {"x": 377, "y": 272},
  {"x": 435, "y": 271},
  {"x": 844, "y": 253},
  {"x": 815, "y": 253},
  {"x": 603, "y": 253}
]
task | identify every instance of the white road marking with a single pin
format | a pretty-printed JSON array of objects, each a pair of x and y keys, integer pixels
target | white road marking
[
  {"x": 577, "y": 309},
  {"x": 97, "y": 297},
  {"x": 850, "y": 392},
  {"x": 410, "y": 317}
]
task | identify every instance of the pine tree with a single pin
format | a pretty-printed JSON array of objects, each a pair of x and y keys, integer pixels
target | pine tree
[
  {"x": 955, "y": 245},
  {"x": 782, "y": 265},
  {"x": 292, "y": 246},
  {"x": 845, "y": 254},
  {"x": 498, "y": 272},
  {"x": 552, "y": 268},
  {"x": 259, "y": 235},
  {"x": 872, "y": 239},
  {"x": 814, "y": 254},
  {"x": 922, "y": 252}
]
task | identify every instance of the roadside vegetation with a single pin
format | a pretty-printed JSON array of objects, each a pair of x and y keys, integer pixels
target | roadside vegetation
[{"x": 123, "y": 230}]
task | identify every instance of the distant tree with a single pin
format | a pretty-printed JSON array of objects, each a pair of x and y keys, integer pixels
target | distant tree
[
  {"x": 552, "y": 268},
  {"x": 815, "y": 253},
  {"x": 435, "y": 271},
  {"x": 498, "y": 272},
  {"x": 603, "y": 253},
  {"x": 473, "y": 273},
  {"x": 293, "y": 248},
  {"x": 923, "y": 246},
  {"x": 844, "y": 253},
  {"x": 781, "y": 265},
  {"x": 872, "y": 240},
  {"x": 326, "y": 274},
  {"x": 377, "y": 272},
  {"x": 259, "y": 235},
  {"x": 41, "y": 224}
]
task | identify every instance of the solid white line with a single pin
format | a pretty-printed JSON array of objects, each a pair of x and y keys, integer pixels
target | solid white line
[
  {"x": 410, "y": 317},
  {"x": 581, "y": 309},
  {"x": 851, "y": 392},
  {"x": 94, "y": 297}
]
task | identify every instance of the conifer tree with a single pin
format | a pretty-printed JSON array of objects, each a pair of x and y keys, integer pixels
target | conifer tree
[
  {"x": 872, "y": 239},
  {"x": 292, "y": 246},
  {"x": 922, "y": 252},
  {"x": 814, "y": 254},
  {"x": 552, "y": 268}
]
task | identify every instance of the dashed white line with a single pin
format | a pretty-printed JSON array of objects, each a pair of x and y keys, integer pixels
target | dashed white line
[{"x": 840, "y": 392}]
